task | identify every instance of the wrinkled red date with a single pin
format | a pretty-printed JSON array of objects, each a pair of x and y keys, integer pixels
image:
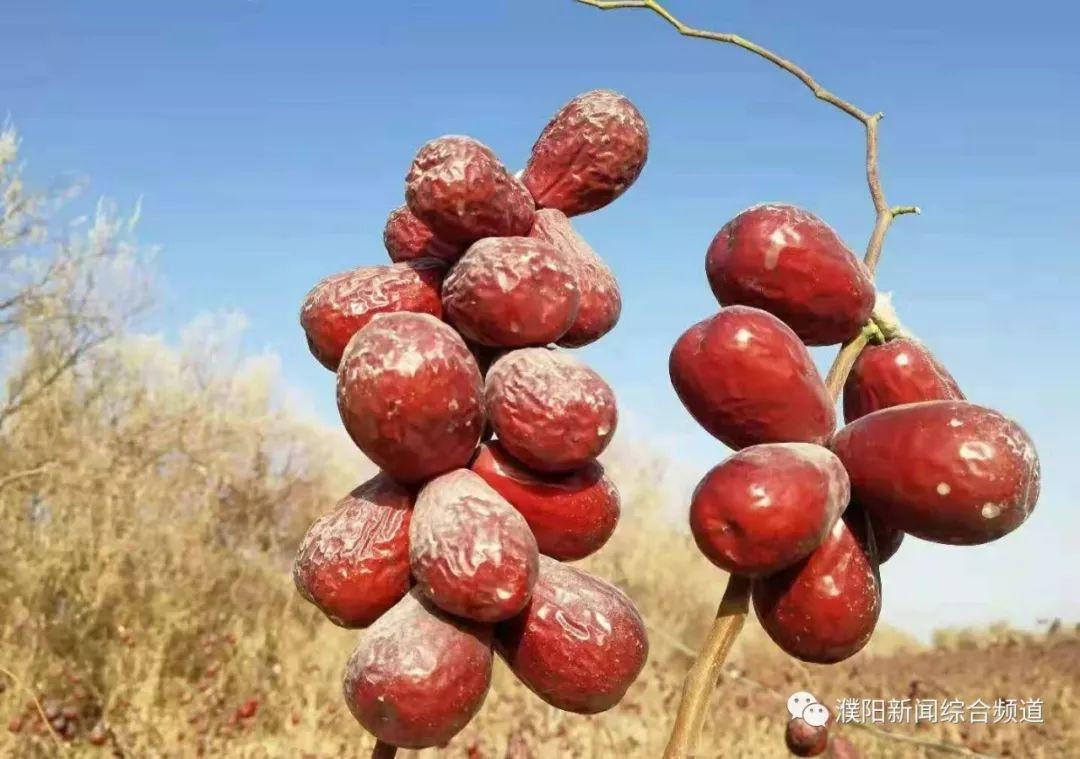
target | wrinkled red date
[
  {"x": 589, "y": 153},
  {"x": 947, "y": 471},
  {"x": 407, "y": 238},
  {"x": 823, "y": 609},
  {"x": 471, "y": 553},
  {"x": 898, "y": 372},
  {"x": 601, "y": 302},
  {"x": 572, "y": 515},
  {"x": 549, "y": 410},
  {"x": 462, "y": 192},
  {"x": 411, "y": 396},
  {"x": 418, "y": 675},
  {"x": 339, "y": 306},
  {"x": 579, "y": 644},
  {"x": 768, "y": 506},
  {"x": 788, "y": 262},
  {"x": 512, "y": 292},
  {"x": 353, "y": 563},
  {"x": 746, "y": 378}
]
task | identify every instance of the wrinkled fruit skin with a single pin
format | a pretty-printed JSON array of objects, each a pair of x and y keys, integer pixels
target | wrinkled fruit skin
[
  {"x": 512, "y": 292},
  {"x": 572, "y": 515},
  {"x": 579, "y": 644},
  {"x": 601, "y": 302},
  {"x": 897, "y": 372},
  {"x": 407, "y": 238},
  {"x": 410, "y": 396},
  {"x": 887, "y": 539},
  {"x": 803, "y": 739},
  {"x": 768, "y": 506},
  {"x": 471, "y": 553},
  {"x": 353, "y": 563},
  {"x": 788, "y": 262},
  {"x": 588, "y": 154},
  {"x": 746, "y": 378},
  {"x": 339, "y": 306},
  {"x": 418, "y": 675},
  {"x": 549, "y": 411},
  {"x": 947, "y": 471},
  {"x": 823, "y": 609},
  {"x": 462, "y": 192}
]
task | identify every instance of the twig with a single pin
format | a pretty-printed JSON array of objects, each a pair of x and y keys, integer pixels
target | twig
[
  {"x": 383, "y": 751},
  {"x": 7, "y": 479},
  {"x": 37, "y": 705},
  {"x": 698, "y": 687},
  {"x": 733, "y": 608}
]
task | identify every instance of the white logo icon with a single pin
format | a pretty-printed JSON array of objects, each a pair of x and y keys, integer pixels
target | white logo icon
[
  {"x": 806, "y": 706},
  {"x": 798, "y": 702}
]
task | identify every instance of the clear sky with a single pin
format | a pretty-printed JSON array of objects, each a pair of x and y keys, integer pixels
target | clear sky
[{"x": 269, "y": 139}]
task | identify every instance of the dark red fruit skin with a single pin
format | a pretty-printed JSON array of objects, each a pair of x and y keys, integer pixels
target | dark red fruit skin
[
  {"x": 407, "y": 238},
  {"x": 572, "y": 515},
  {"x": 579, "y": 644},
  {"x": 340, "y": 305},
  {"x": 471, "y": 552},
  {"x": 462, "y": 192},
  {"x": 418, "y": 675},
  {"x": 353, "y": 563},
  {"x": 946, "y": 471},
  {"x": 411, "y": 396},
  {"x": 887, "y": 539},
  {"x": 746, "y": 378},
  {"x": 590, "y": 152},
  {"x": 549, "y": 411},
  {"x": 894, "y": 373},
  {"x": 768, "y": 506},
  {"x": 601, "y": 302},
  {"x": 803, "y": 739},
  {"x": 792, "y": 264},
  {"x": 823, "y": 609},
  {"x": 512, "y": 292}
]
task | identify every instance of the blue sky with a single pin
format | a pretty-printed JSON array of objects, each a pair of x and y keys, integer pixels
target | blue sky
[{"x": 270, "y": 138}]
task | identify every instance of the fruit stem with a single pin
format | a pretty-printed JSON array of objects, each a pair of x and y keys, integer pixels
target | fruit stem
[
  {"x": 698, "y": 687},
  {"x": 383, "y": 751},
  {"x": 733, "y": 609}
]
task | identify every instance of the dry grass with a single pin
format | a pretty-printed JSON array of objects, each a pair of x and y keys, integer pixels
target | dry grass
[{"x": 151, "y": 497}]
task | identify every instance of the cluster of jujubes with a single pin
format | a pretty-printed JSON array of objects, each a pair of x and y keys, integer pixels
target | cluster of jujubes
[
  {"x": 807, "y": 511},
  {"x": 486, "y": 436}
]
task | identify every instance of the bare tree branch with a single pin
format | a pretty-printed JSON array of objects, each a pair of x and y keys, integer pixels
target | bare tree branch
[{"x": 734, "y": 606}]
